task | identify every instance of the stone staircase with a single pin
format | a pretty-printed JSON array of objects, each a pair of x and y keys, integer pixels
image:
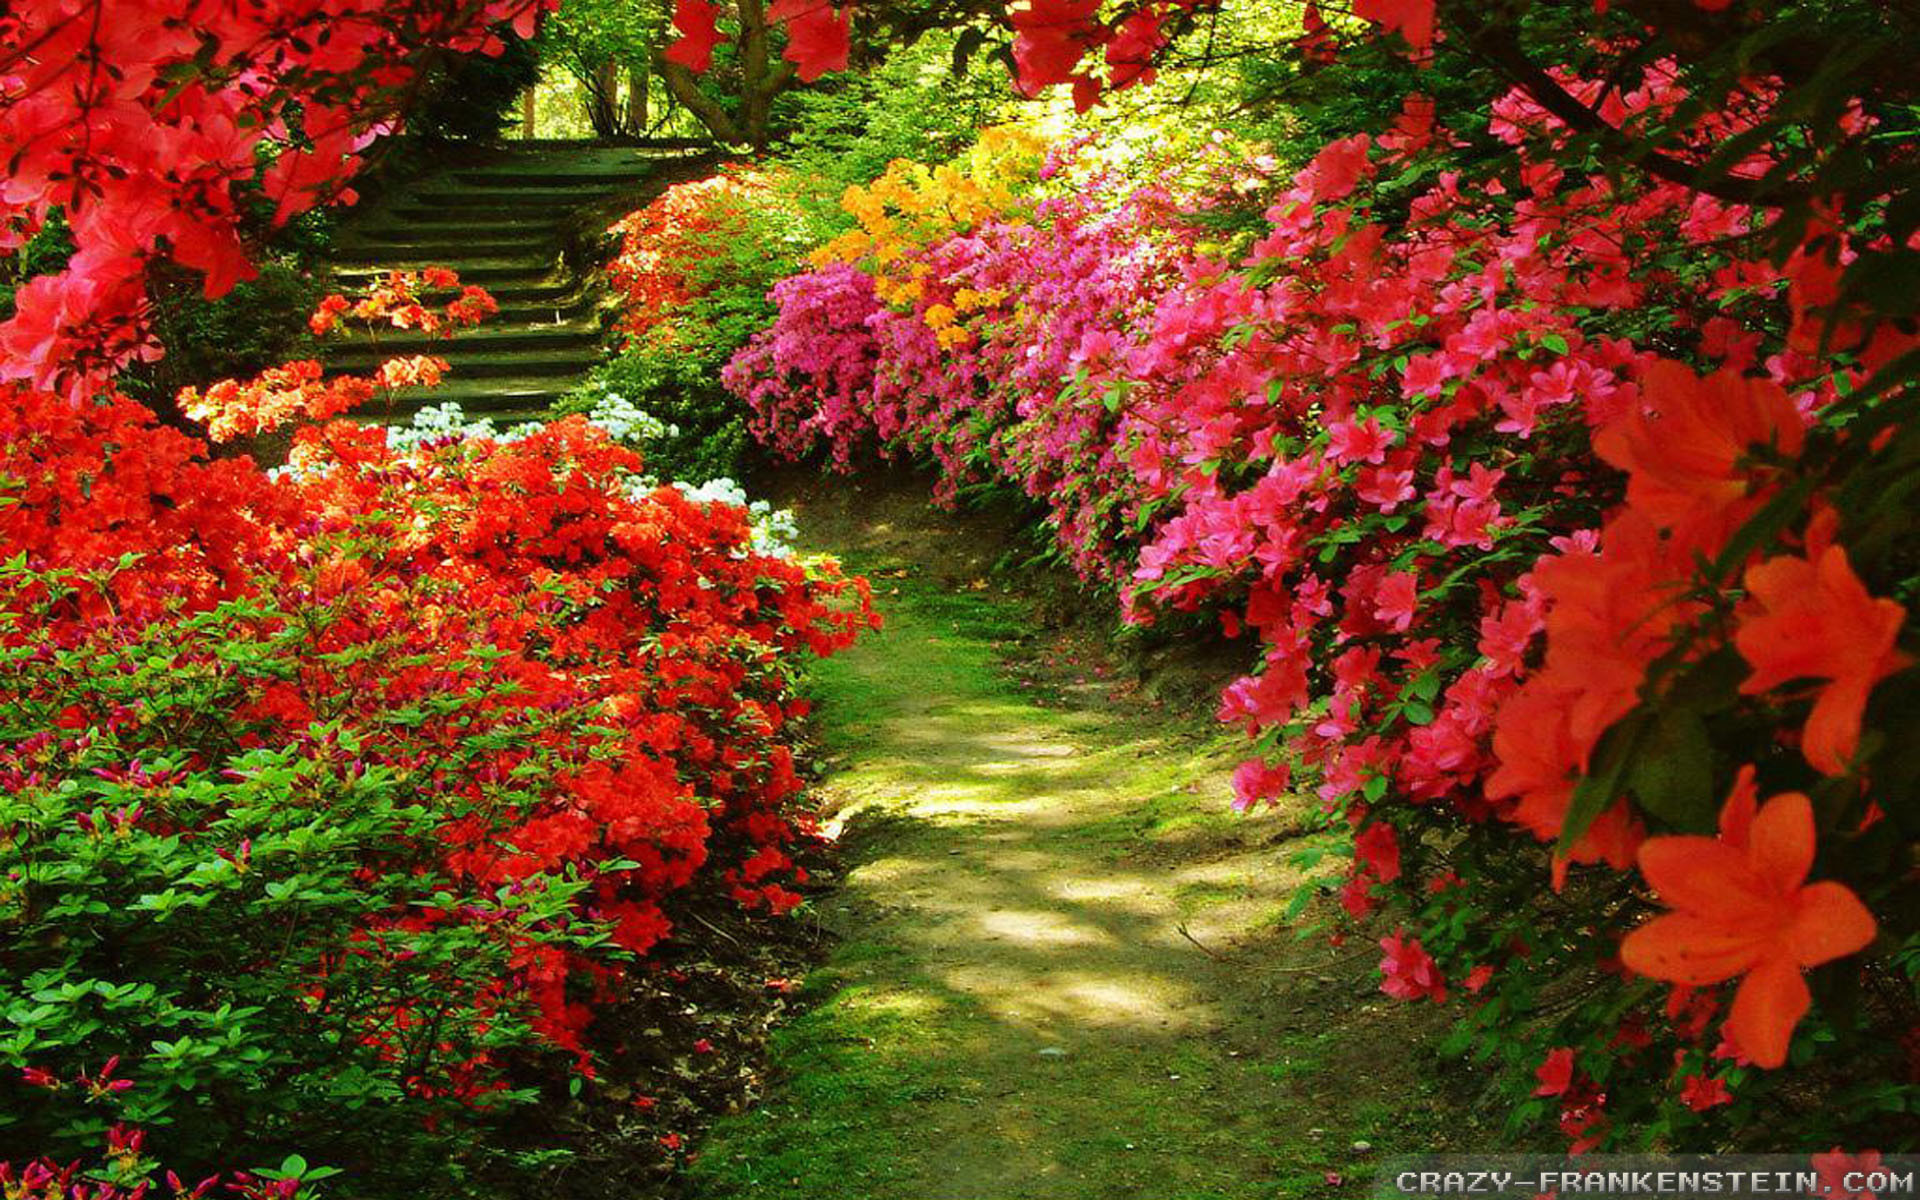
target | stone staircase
[{"x": 502, "y": 222}]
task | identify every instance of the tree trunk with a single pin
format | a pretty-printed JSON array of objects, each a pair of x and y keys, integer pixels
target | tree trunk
[
  {"x": 761, "y": 79},
  {"x": 637, "y": 108},
  {"x": 527, "y": 126},
  {"x": 603, "y": 99},
  {"x": 686, "y": 89}
]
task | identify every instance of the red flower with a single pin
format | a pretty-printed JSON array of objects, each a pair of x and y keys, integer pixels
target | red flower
[
  {"x": 1837, "y": 1168},
  {"x": 1742, "y": 907},
  {"x": 1812, "y": 618},
  {"x": 1408, "y": 971},
  {"x": 1555, "y": 1072},
  {"x": 697, "y": 22},
  {"x": 1700, "y": 1093},
  {"x": 1685, "y": 454},
  {"x": 1377, "y": 850}
]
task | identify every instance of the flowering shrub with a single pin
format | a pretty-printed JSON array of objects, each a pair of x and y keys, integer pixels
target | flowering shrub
[
  {"x": 692, "y": 273},
  {"x": 161, "y": 131},
  {"x": 1506, "y": 565},
  {"x": 280, "y": 395},
  {"x": 336, "y": 801},
  {"x": 670, "y": 252},
  {"x": 911, "y": 206}
]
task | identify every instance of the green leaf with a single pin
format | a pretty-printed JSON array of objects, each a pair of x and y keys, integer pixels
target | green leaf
[
  {"x": 1601, "y": 786},
  {"x": 1671, "y": 772}
]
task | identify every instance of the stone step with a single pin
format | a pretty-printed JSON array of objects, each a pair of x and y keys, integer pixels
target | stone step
[
  {"x": 493, "y": 336},
  {"x": 432, "y": 242},
  {"x": 488, "y": 272},
  {"x": 562, "y": 365},
  {"x": 602, "y": 181},
  {"x": 537, "y": 316},
  {"x": 439, "y": 221},
  {"x": 518, "y": 256},
  {"x": 498, "y": 222},
  {"x": 482, "y": 397},
  {"x": 482, "y": 220},
  {"x": 557, "y": 199}
]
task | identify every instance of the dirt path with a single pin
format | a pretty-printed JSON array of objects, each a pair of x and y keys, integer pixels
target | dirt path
[{"x": 1064, "y": 971}]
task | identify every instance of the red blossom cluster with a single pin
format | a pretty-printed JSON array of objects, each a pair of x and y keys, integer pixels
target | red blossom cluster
[
  {"x": 157, "y": 127},
  {"x": 819, "y": 34},
  {"x": 666, "y": 247},
  {"x": 233, "y": 408},
  {"x": 589, "y": 594}
]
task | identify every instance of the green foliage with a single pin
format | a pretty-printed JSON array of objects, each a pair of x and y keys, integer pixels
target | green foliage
[
  {"x": 707, "y": 433},
  {"x": 471, "y": 98},
  {"x": 585, "y": 35},
  {"x": 695, "y": 268},
  {"x": 253, "y": 930},
  {"x": 262, "y": 321},
  {"x": 46, "y": 251}
]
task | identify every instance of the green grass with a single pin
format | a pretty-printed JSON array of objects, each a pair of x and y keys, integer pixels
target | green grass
[{"x": 914, "y": 1072}]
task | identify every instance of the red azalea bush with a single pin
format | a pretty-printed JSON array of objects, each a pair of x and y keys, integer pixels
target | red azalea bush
[
  {"x": 169, "y": 130},
  {"x": 682, "y": 248},
  {"x": 1443, "y": 453},
  {"x": 336, "y": 801},
  {"x": 692, "y": 274}
]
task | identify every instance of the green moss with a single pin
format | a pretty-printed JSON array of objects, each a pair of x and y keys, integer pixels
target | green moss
[{"x": 1011, "y": 1012}]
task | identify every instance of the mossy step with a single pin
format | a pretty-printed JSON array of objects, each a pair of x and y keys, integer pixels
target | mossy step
[
  {"x": 605, "y": 181},
  {"x": 538, "y": 294},
  {"x": 487, "y": 273},
  {"x": 485, "y": 219},
  {"x": 438, "y": 220},
  {"x": 535, "y": 260},
  {"x": 512, "y": 199},
  {"x": 433, "y": 242},
  {"x": 387, "y": 259},
  {"x": 559, "y": 368},
  {"x": 484, "y": 397},
  {"x": 534, "y": 316},
  {"x": 495, "y": 335}
]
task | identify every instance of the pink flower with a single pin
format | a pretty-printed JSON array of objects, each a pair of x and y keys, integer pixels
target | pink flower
[
  {"x": 1408, "y": 972},
  {"x": 1396, "y": 600},
  {"x": 1365, "y": 441}
]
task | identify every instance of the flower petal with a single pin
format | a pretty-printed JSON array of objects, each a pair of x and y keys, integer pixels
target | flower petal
[
  {"x": 1829, "y": 922},
  {"x": 1736, "y": 815},
  {"x": 1682, "y": 948},
  {"x": 1780, "y": 844},
  {"x": 1832, "y": 732},
  {"x": 1702, "y": 875},
  {"x": 1769, "y": 1003}
]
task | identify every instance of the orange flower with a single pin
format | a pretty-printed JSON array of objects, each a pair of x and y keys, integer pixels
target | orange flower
[
  {"x": 1742, "y": 907},
  {"x": 1684, "y": 458},
  {"x": 1812, "y": 618}
]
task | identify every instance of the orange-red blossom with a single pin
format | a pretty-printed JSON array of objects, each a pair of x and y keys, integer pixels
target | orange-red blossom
[
  {"x": 1812, "y": 618},
  {"x": 1742, "y": 907}
]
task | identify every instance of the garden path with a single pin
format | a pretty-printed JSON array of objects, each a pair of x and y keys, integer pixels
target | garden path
[{"x": 1063, "y": 968}]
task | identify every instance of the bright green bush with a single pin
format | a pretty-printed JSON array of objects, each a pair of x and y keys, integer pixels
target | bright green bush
[{"x": 252, "y": 925}]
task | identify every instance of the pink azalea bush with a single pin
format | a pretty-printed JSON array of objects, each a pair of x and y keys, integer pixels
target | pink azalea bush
[{"x": 1438, "y": 452}]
